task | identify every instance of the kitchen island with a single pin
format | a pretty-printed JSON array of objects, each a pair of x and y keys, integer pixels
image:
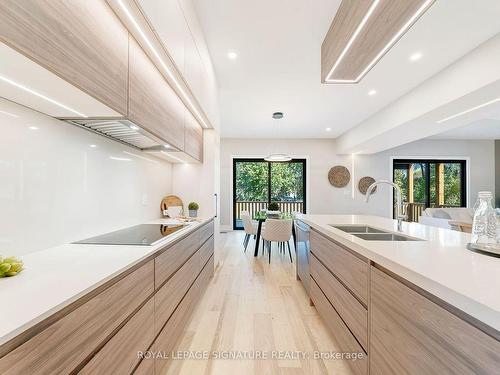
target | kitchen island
[
  {"x": 423, "y": 305},
  {"x": 83, "y": 308}
]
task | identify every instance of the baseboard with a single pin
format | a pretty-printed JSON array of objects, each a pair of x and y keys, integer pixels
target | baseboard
[{"x": 226, "y": 228}]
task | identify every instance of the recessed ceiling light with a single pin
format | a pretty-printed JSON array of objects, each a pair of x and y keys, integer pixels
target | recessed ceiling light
[
  {"x": 93, "y": 146},
  {"x": 328, "y": 129},
  {"x": 277, "y": 115},
  {"x": 232, "y": 55},
  {"x": 119, "y": 159},
  {"x": 33, "y": 92},
  {"x": 416, "y": 56},
  {"x": 33, "y": 128},
  {"x": 372, "y": 92}
]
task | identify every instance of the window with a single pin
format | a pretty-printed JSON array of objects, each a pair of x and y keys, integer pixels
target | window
[
  {"x": 258, "y": 182},
  {"x": 430, "y": 183}
]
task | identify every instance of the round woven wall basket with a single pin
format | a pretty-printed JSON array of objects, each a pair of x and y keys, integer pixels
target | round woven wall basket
[
  {"x": 339, "y": 176},
  {"x": 364, "y": 183}
]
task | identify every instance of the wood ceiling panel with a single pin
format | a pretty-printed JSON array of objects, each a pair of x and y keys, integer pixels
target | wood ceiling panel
[{"x": 386, "y": 21}]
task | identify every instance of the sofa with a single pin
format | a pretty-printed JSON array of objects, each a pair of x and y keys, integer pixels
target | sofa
[{"x": 440, "y": 217}]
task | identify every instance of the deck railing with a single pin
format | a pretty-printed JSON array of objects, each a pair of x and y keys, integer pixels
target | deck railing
[{"x": 254, "y": 207}]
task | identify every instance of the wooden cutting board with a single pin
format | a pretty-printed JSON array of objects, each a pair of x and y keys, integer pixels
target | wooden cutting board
[{"x": 170, "y": 200}]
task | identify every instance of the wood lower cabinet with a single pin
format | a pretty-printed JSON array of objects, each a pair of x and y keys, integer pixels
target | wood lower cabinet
[
  {"x": 343, "y": 337},
  {"x": 411, "y": 334},
  {"x": 167, "y": 339},
  {"x": 65, "y": 344},
  {"x": 82, "y": 42},
  {"x": 153, "y": 104},
  {"x": 352, "y": 312},
  {"x": 104, "y": 332},
  {"x": 351, "y": 269},
  {"x": 120, "y": 354},
  {"x": 169, "y": 295}
]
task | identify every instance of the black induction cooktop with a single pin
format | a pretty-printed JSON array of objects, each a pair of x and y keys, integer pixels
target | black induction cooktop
[{"x": 138, "y": 235}]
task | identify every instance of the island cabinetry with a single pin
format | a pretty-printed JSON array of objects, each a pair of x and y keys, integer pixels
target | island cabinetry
[
  {"x": 351, "y": 269},
  {"x": 343, "y": 336},
  {"x": 410, "y": 334}
]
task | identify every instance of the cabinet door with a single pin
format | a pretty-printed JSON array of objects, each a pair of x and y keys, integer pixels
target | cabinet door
[
  {"x": 152, "y": 103},
  {"x": 412, "y": 335},
  {"x": 120, "y": 354},
  {"x": 83, "y": 42},
  {"x": 193, "y": 137}
]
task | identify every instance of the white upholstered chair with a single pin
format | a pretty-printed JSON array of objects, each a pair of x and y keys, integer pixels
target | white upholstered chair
[
  {"x": 280, "y": 231},
  {"x": 248, "y": 226}
]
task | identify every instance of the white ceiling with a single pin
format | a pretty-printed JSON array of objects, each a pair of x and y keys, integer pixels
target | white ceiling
[
  {"x": 482, "y": 129},
  {"x": 278, "y": 66}
]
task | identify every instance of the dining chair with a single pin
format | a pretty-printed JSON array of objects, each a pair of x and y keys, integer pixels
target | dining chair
[
  {"x": 280, "y": 231},
  {"x": 248, "y": 226}
]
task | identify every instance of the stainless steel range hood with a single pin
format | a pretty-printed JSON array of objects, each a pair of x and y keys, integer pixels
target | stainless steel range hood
[{"x": 133, "y": 135}]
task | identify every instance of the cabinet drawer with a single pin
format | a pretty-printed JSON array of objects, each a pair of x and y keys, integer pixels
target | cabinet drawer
[
  {"x": 174, "y": 328},
  {"x": 342, "y": 335},
  {"x": 63, "y": 345},
  {"x": 206, "y": 231},
  {"x": 350, "y": 269},
  {"x": 174, "y": 257},
  {"x": 168, "y": 297},
  {"x": 351, "y": 311},
  {"x": 119, "y": 355},
  {"x": 82, "y": 42},
  {"x": 410, "y": 334}
]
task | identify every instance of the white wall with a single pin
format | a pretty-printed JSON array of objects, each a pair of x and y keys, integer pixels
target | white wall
[
  {"x": 55, "y": 188},
  {"x": 321, "y": 155}
]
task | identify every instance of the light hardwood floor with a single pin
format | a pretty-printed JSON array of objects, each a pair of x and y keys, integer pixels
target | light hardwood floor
[{"x": 253, "y": 306}]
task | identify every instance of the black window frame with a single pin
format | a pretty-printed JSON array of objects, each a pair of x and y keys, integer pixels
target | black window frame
[
  {"x": 261, "y": 160},
  {"x": 428, "y": 162}
]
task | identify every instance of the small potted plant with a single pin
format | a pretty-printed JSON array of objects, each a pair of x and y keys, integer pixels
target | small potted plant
[
  {"x": 193, "y": 209},
  {"x": 273, "y": 208}
]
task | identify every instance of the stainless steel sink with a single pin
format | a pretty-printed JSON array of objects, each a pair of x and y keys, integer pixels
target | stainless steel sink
[
  {"x": 368, "y": 233},
  {"x": 384, "y": 237},
  {"x": 358, "y": 229}
]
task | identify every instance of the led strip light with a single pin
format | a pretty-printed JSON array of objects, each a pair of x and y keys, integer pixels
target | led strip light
[
  {"x": 393, "y": 40},
  {"x": 469, "y": 110},
  {"x": 165, "y": 67},
  {"x": 33, "y": 92}
]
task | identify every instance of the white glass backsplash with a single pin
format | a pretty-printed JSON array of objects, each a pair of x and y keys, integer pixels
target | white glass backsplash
[{"x": 60, "y": 183}]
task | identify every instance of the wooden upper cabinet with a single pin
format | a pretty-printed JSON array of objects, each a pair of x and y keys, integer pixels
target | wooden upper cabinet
[
  {"x": 152, "y": 103},
  {"x": 411, "y": 334},
  {"x": 193, "y": 144},
  {"x": 82, "y": 42}
]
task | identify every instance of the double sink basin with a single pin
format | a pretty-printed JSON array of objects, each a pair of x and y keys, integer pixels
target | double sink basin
[{"x": 368, "y": 233}]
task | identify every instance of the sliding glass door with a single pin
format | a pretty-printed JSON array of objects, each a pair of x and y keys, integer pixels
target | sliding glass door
[
  {"x": 430, "y": 183},
  {"x": 257, "y": 182}
]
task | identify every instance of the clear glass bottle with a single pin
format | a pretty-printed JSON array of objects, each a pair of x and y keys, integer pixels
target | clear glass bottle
[{"x": 484, "y": 226}]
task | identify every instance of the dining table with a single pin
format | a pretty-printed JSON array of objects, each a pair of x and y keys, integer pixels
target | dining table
[{"x": 261, "y": 217}]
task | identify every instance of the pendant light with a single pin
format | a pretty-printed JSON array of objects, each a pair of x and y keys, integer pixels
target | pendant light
[{"x": 278, "y": 157}]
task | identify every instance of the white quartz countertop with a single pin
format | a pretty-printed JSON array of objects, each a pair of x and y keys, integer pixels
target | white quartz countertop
[
  {"x": 55, "y": 277},
  {"x": 440, "y": 264}
]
